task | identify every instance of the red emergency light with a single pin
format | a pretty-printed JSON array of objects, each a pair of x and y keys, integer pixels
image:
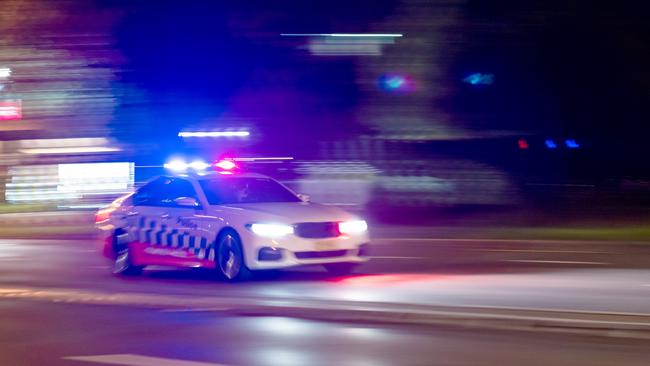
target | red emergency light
[{"x": 225, "y": 165}]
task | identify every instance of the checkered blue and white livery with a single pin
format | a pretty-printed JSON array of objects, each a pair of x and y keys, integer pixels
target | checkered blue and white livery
[{"x": 155, "y": 233}]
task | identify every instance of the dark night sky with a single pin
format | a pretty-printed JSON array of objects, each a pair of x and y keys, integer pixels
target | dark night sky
[
  {"x": 198, "y": 60},
  {"x": 562, "y": 68}
]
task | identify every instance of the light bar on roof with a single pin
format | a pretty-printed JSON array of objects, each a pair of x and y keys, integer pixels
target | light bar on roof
[
  {"x": 180, "y": 165},
  {"x": 176, "y": 165},
  {"x": 271, "y": 158},
  {"x": 225, "y": 164}
]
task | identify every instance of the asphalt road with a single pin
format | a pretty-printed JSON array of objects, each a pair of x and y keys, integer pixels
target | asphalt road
[
  {"x": 35, "y": 333},
  {"x": 568, "y": 278},
  {"x": 564, "y": 284}
]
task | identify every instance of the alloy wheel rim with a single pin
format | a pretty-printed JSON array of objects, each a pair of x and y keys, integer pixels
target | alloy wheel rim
[
  {"x": 121, "y": 262},
  {"x": 228, "y": 260}
]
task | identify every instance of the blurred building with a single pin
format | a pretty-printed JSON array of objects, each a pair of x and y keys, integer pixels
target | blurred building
[{"x": 58, "y": 68}]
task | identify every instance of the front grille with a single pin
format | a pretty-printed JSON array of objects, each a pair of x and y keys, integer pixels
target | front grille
[
  {"x": 364, "y": 250},
  {"x": 325, "y": 254},
  {"x": 317, "y": 230}
]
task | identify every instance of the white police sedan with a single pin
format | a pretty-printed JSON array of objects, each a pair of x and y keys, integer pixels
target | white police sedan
[{"x": 231, "y": 222}]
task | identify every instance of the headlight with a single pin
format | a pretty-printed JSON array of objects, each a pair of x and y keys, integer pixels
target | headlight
[
  {"x": 353, "y": 227},
  {"x": 271, "y": 230}
]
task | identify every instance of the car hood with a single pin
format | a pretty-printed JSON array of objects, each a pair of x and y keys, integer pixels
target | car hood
[{"x": 287, "y": 212}]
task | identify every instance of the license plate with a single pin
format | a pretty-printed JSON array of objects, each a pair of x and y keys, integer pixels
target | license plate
[{"x": 325, "y": 245}]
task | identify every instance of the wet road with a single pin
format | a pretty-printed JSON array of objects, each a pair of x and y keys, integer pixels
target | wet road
[
  {"x": 35, "y": 333},
  {"x": 75, "y": 264},
  {"x": 43, "y": 332}
]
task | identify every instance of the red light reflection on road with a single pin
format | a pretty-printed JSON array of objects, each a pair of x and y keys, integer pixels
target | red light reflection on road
[{"x": 388, "y": 279}]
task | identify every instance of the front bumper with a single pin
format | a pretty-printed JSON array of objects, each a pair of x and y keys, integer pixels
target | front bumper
[{"x": 265, "y": 253}]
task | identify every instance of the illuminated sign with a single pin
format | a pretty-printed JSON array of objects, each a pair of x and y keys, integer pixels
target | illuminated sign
[
  {"x": 95, "y": 177},
  {"x": 10, "y": 110}
]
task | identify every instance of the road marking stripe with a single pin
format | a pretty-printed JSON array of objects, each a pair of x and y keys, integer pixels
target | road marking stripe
[
  {"x": 182, "y": 301},
  {"x": 273, "y": 307},
  {"x": 552, "y": 310},
  {"x": 480, "y": 240},
  {"x": 505, "y": 260},
  {"x": 557, "y": 262},
  {"x": 128, "y": 359},
  {"x": 197, "y": 310},
  {"x": 539, "y": 251}
]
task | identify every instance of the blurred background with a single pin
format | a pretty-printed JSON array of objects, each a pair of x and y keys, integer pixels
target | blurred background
[
  {"x": 410, "y": 111},
  {"x": 498, "y": 150}
]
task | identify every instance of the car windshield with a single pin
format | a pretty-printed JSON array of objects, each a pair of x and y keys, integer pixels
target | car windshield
[{"x": 229, "y": 190}]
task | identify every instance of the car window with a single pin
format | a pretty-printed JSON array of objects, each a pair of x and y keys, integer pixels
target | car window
[
  {"x": 163, "y": 191},
  {"x": 151, "y": 194},
  {"x": 177, "y": 188},
  {"x": 229, "y": 190}
]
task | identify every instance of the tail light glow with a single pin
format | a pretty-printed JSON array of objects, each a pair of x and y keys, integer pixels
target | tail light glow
[{"x": 103, "y": 215}]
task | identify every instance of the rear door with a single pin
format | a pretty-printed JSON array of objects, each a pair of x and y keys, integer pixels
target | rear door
[
  {"x": 149, "y": 212},
  {"x": 185, "y": 232},
  {"x": 167, "y": 232}
]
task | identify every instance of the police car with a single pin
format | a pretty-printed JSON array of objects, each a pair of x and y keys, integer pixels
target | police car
[{"x": 229, "y": 221}]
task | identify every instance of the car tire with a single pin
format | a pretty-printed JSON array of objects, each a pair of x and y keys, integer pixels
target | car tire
[
  {"x": 122, "y": 265},
  {"x": 229, "y": 257},
  {"x": 340, "y": 269}
]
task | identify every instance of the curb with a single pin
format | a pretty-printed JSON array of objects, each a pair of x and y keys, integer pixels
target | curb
[{"x": 618, "y": 325}]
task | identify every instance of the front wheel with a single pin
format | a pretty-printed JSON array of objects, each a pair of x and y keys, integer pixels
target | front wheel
[
  {"x": 230, "y": 257},
  {"x": 340, "y": 269}
]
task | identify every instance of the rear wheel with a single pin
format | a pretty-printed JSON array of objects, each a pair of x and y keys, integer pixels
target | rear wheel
[
  {"x": 340, "y": 269},
  {"x": 229, "y": 257},
  {"x": 123, "y": 264}
]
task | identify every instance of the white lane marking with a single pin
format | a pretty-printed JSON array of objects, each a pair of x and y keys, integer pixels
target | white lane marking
[
  {"x": 128, "y": 359},
  {"x": 551, "y": 310},
  {"x": 181, "y": 302},
  {"x": 197, "y": 310},
  {"x": 556, "y": 262},
  {"x": 504, "y": 250},
  {"x": 479, "y": 240},
  {"x": 204, "y": 303},
  {"x": 539, "y": 251}
]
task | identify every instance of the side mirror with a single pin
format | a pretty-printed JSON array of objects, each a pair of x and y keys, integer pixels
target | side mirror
[
  {"x": 186, "y": 202},
  {"x": 304, "y": 197}
]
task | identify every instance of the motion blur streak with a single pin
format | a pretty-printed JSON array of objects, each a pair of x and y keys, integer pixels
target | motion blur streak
[
  {"x": 89, "y": 183},
  {"x": 68, "y": 150},
  {"x": 215, "y": 134},
  {"x": 497, "y": 151},
  {"x": 390, "y": 280},
  {"x": 381, "y": 35}
]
